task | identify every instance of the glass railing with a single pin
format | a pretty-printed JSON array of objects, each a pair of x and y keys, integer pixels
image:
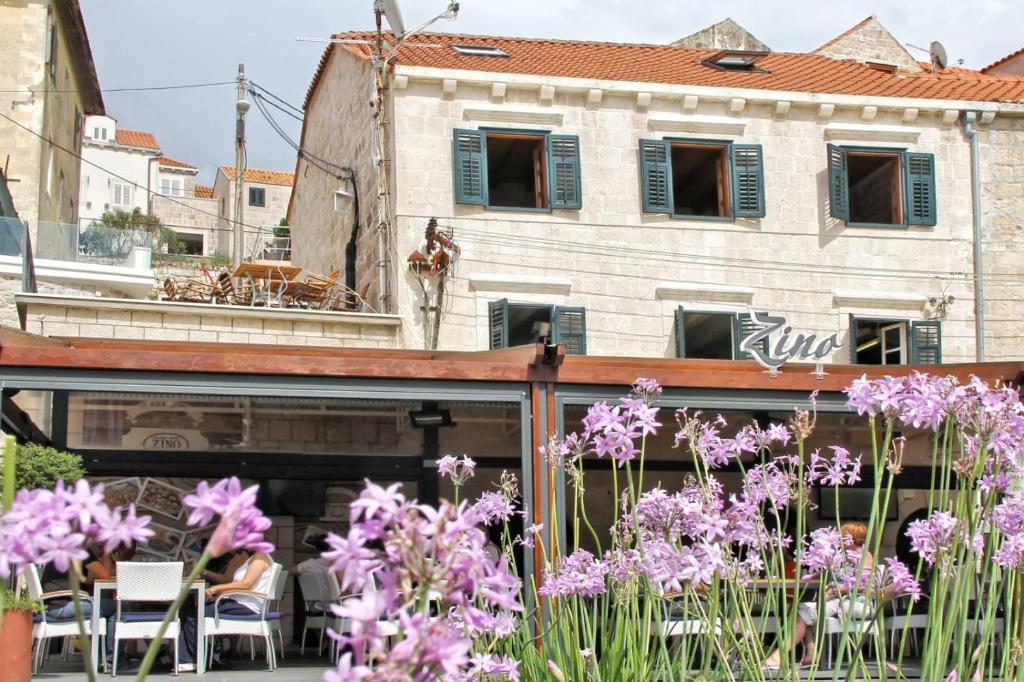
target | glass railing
[
  {"x": 95, "y": 244},
  {"x": 12, "y": 237}
]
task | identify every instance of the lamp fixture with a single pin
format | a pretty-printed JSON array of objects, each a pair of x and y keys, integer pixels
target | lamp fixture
[
  {"x": 436, "y": 418},
  {"x": 341, "y": 197}
]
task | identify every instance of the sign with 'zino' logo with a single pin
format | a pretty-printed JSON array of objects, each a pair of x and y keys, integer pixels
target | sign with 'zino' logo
[
  {"x": 772, "y": 356},
  {"x": 165, "y": 441}
]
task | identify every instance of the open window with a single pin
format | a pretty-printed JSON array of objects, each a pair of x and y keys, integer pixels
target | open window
[
  {"x": 881, "y": 187},
  {"x": 894, "y": 341},
  {"x": 517, "y": 324},
  {"x": 192, "y": 244},
  {"x": 711, "y": 335},
  {"x": 507, "y": 169},
  {"x": 708, "y": 179}
]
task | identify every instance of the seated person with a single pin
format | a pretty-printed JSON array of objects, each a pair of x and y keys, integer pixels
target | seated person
[
  {"x": 252, "y": 573},
  {"x": 316, "y": 564}
]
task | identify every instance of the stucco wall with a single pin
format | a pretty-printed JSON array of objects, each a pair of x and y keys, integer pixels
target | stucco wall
[
  {"x": 338, "y": 129},
  {"x": 614, "y": 256},
  {"x": 136, "y": 165}
]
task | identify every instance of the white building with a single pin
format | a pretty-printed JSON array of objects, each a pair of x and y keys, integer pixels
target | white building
[
  {"x": 126, "y": 170},
  {"x": 642, "y": 198}
]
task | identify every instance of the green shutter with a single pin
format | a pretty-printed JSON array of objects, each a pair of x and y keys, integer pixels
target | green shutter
[
  {"x": 926, "y": 342},
  {"x": 564, "y": 171},
  {"x": 680, "y": 333},
  {"x": 838, "y": 184},
  {"x": 469, "y": 167},
  {"x": 853, "y": 340},
  {"x": 497, "y": 314},
  {"x": 748, "y": 180},
  {"x": 656, "y": 176},
  {"x": 742, "y": 327},
  {"x": 570, "y": 329},
  {"x": 920, "y": 188}
]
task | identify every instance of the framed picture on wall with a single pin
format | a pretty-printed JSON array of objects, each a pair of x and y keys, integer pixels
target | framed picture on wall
[
  {"x": 122, "y": 492},
  {"x": 165, "y": 541},
  {"x": 162, "y": 498}
]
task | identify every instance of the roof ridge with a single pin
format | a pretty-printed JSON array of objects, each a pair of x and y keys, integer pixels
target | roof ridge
[
  {"x": 561, "y": 41},
  {"x": 836, "y": 39},
  {"x": 1002, "y": 60}
]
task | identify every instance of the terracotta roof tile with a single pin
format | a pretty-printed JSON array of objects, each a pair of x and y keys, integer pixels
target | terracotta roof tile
[
  {"x": 135, "y": 138},
  {"x": 1004, "y": 59},
  {"x": 260, "y": 176},
  {"x": 682, "y": 66},
  {"x": 204, "y": 191},
  {"x": 174, "y": 163}
]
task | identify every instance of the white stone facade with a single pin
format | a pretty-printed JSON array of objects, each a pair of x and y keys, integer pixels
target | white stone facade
[
  {"x": 258, "y": 221},
  {"x": 114, "y": 176},
  {"x": 630, "y": 270}
]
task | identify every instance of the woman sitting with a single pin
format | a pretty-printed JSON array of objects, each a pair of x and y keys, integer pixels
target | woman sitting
[
  {"x": 857, "y": 557},
  {"x": 251, "y": 573}
]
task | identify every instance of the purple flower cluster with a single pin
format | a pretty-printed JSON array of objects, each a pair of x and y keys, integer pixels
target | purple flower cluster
[
  {"x": 403, "y": 555},
  {"x": 490, "y": 509},
  {"x": 44, "y": 527},
  {"x": 487, "y": 669},
  {"x": 613, "y": 430},
  {"x": 840, "y": 470},
  {"x": 707, "y": 441},
  {"x": 579, "y": 574},
  {"x": 458, "y": 469},
  {"x": 935, "y": 536},
  {"x": 825, "y": 551},
  {"x": 241, "y": 524}
]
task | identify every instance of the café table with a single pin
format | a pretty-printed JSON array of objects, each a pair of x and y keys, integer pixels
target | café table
[
  {"x": 272, "y": 274},
  {"x": 199, "y": 586}
]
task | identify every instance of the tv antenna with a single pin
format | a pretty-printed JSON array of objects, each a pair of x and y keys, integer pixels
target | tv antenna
[{"x": 937, "y": 54}]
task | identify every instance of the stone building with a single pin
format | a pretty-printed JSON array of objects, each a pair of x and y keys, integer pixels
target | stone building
[
  {"x": 266, "y": 194},
  {"x": 47, "y": 84},
  {"x": 186, "y": 207},
  {"x": 640, "y": 199},
  {"x": 120, "y": 170}
]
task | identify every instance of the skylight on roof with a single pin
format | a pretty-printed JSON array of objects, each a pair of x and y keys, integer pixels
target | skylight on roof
[
  {"x": 735, "y": 60},
  {"x": 479, "y": 51}
]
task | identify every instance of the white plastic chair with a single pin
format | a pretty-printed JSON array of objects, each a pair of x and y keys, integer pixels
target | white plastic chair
[
  {"x": 385, "y": 628},
  {"x": 44, "y": 627},
  {"x": 314, "y": 598},
  {"x": 139, "y": 581},
  {"x": 275, "y": 604},
  {"x": 902, "y": 617},
  {"x": 857, "y": 628},
  {"x": 255, "y": 625}
]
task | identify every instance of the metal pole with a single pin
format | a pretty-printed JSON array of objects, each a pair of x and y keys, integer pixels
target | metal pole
[
  {"x": 979, "y": 274},
  {"x": 238, "y": 237}
]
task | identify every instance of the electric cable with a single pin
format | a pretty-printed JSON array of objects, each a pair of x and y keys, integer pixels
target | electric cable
[
  {"x": 262, "y": 89},
  {"x": 139, "y": 89}
]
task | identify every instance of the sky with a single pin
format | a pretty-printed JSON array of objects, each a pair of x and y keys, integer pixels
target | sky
[{"x": 141, "y": 43}]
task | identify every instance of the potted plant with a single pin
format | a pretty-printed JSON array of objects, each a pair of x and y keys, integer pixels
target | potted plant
[
  {"x": 16, "y": 611},
  {"x": 37, "y": 466}
]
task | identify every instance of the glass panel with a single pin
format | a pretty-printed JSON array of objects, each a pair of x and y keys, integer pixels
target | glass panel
[
  {"x": 241, "y": 424},
  {"x": 708, "y": 335}
]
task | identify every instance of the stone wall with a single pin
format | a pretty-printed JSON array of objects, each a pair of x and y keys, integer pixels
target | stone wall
[
  {"x": 631, "y": 270},
  {"x": 340, "y": 130},
  {"x": 869, "y": 41},
  {"x": 166, "y": 321},
  {"x": 180, "y": 219}
]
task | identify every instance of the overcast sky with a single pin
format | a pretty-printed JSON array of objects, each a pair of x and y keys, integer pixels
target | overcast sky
[{"x": 141, "y": 43}]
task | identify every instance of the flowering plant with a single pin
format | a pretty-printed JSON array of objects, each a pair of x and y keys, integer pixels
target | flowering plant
[{"x": 686, "y": 583}]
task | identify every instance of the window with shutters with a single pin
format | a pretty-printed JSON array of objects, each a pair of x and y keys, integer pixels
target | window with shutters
[
  {"x": 257, "y": 196},
  {"x": 171, "y": 187},
  {"x": 710, "y": 335},
  {"x": 703, "y": 179},
  {"x": 121, "y": 194},
  {"x": 517, "y": 170},
  {"x": 894, "y": 341},
  {"x": 871, "y": 187},
  {"x": 518, "y": 324}
]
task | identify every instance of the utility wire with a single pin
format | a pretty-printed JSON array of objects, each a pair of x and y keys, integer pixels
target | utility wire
[
  {"x": 121, "y": 177},
  {"x": 262, "y": 89},
  {"x": 284, "y": 111},
  {"x": 143, "y": 89}
]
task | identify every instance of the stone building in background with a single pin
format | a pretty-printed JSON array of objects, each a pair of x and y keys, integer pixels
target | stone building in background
[{"x": 265, "y": 193}]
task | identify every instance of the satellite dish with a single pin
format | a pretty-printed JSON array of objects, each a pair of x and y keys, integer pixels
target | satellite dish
[
  {"x": 394, "y": 16},
  {"x": 938, "y": 53}
]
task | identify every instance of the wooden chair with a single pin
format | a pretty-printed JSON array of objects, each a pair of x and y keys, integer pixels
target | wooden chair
[
  {"x": 228, "y": 295},
  {"x": 192, "y": 292}
]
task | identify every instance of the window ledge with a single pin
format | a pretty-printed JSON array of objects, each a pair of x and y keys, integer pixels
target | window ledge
[
  {"x": 504, "y": 114},
  {"x": 691, "y": 291},
  {"x": 858, "y": 299},
  {"x": 524, "y": 284},
  {"x": 678, "y": 123},
  {"x": 871, "y": 133}
]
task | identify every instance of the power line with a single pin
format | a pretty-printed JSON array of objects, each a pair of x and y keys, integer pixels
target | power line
[
  {"x": 262, "y": 89},
  {"x": 141, "y": 89},
  {"x": 283, "y": 110},
  {"x": 121, "y": 177}
]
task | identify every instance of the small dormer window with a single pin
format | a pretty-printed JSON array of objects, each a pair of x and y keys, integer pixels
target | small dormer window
[
  {"x": 480, "y": 51},
  {"x": 735, "y": 60}
]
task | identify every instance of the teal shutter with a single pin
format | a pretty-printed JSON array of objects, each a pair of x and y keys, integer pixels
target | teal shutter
[
  {"x": 656, "y": 176},
  {"x": 680, "y": 333},
  {"x": 926, "y": 342},
  {"x": 497, "y": 314},
  {"x": 469, "y": 167},
  {"x": 570, "y": 329},
  {"x": 742, "y": 327},
  {"x": 853, "y": 340},
  {"x": 838, "y": 184},
  {"x": 920, "y": 188},
  {"x": 564, "y": 171},
  {"x": 748, "y": 180}
]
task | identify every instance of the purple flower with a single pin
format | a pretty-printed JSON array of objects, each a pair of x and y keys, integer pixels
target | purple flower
[
  {"x": 840, "y": 470},
  {"x": 116, "y": 530},
  {"x": 578, "y": 574},
  {"x": 491, "y": 508},
  {"x": 241, "y": 526},
  {"x": 826, "y": 551},
  {"x": 347, "y": 672},
  {"x": 458, "y": 470},
  {"x": 378, "y": 502},
  {"x": 934, "y": 537}
]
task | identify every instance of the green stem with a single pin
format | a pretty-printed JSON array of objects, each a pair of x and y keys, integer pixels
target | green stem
[
  {"x": 85, "y": 641},
  {"x": 172, "y": 613},
  {"x": 10, "y": 456}
]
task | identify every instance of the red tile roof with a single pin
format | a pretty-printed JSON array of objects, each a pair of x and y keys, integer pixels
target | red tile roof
[
  {"x": 135, "y": 138},
  {"x": 259, "y": 176},
  {"x": 204, "y": 191},
  {"x": 174, "y": 163},
  {"x": 1004, "y": 59},
  {"x": 682, "y": 66}
]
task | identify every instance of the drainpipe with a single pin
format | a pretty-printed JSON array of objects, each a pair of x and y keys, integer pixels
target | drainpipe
[
  {"x": 352, "y": 245},
  {"x": 971, "y": 131}
]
